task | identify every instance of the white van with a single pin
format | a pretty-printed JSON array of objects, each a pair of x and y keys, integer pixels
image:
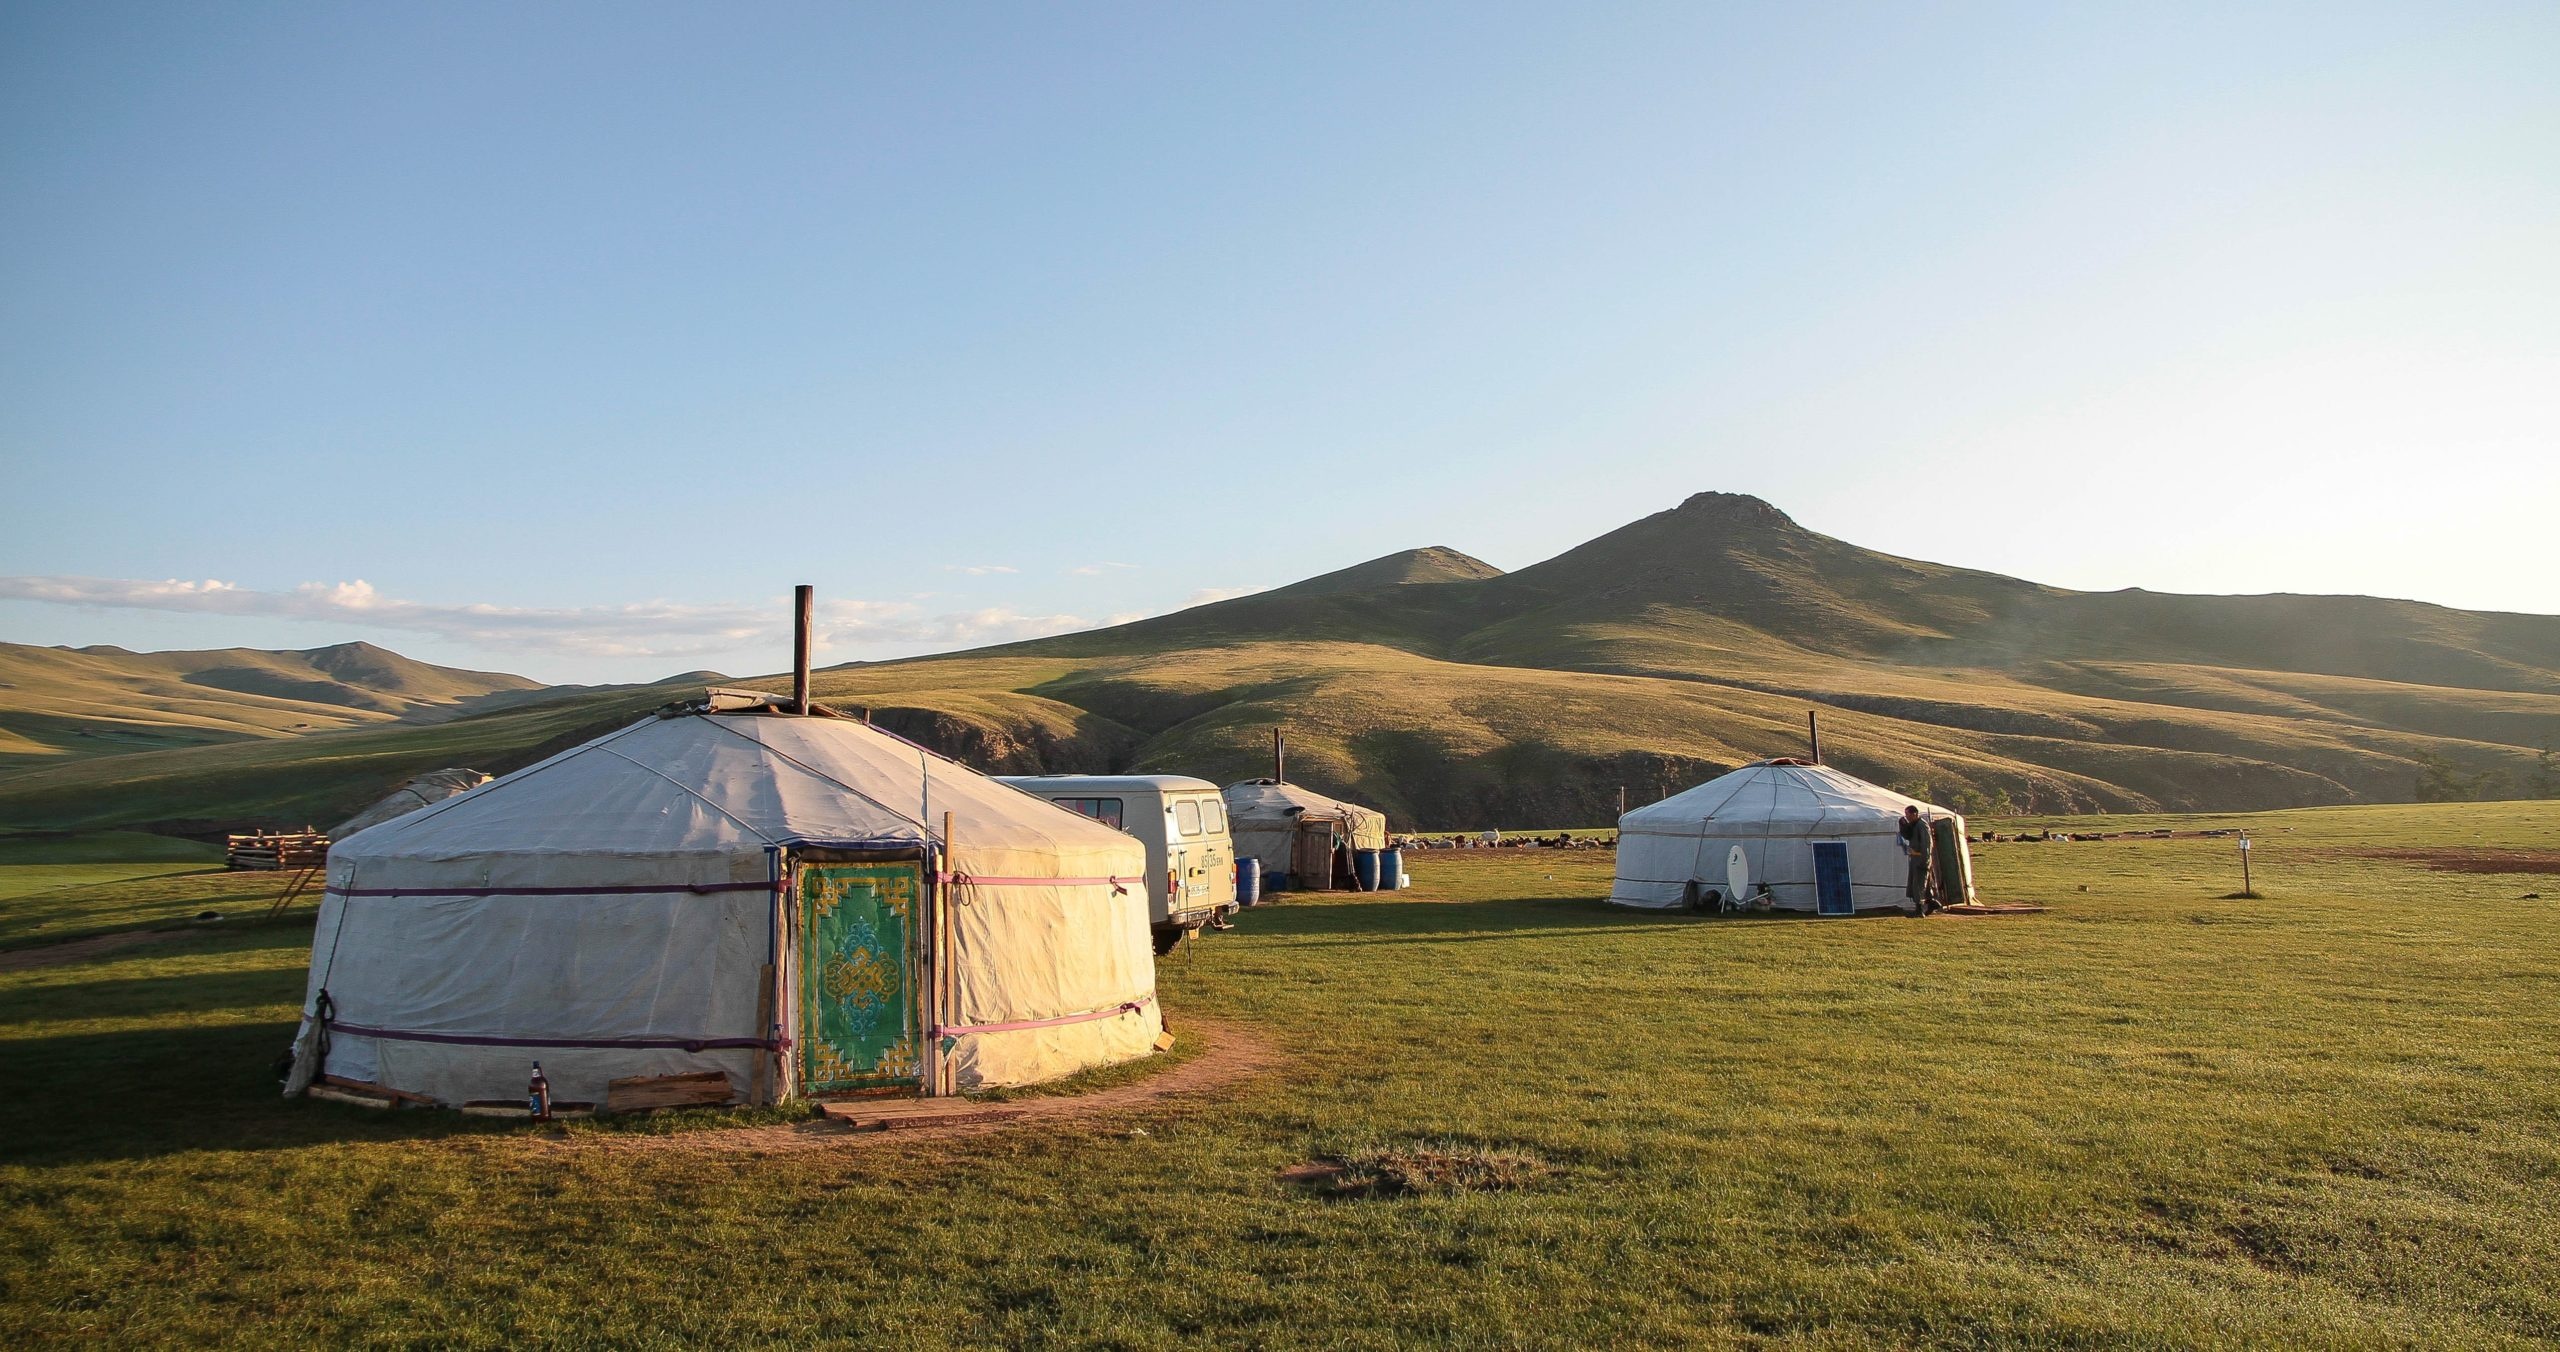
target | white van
[{"x": 1191, "y": 860}]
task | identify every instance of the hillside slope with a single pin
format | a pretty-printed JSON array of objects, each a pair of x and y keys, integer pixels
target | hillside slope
[
  {"x": 104, "y": 700},
  {"x": 1456, "y": 695}
]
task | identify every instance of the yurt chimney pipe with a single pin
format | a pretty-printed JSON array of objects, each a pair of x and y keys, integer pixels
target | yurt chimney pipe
[
  {"x": 1279, "y": 758},
  {"x": 1813, "y": 730},
  {"x": 803, "y": 608}
]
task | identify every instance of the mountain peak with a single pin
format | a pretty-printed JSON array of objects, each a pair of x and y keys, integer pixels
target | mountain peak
[
  {"x": 1432, "y": 563},
  {"x": 1732, "y": 509}
]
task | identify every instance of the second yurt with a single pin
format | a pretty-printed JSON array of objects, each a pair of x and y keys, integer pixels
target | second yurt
[
  {"x": 1299, "y": 834},
  {"x": 730, "y": 896},
  {"x": 1788, "y": 835}
]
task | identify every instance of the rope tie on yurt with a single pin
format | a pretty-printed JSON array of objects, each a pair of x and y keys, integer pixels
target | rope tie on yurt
[
  {"x": 1088, "y": 1016},
  {"x": 324, "y": 1012}
]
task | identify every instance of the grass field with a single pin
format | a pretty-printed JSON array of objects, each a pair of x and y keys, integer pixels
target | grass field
[{"x": 2149, "y": 1117}]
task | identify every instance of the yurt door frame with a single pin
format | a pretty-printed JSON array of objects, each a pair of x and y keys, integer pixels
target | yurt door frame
[
  {"x": 861, "y": 969},
  {"x": 1311, "y": 850}
]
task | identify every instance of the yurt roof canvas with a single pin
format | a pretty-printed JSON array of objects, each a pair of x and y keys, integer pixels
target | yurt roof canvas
[
  {"x": 1775, "y": 797},
  {"x": 1267, "y": 801},
  {"x": 716, "y": 784}
]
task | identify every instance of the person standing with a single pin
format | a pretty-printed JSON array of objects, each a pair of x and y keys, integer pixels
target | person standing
[{"x": 1914, "y": 831}]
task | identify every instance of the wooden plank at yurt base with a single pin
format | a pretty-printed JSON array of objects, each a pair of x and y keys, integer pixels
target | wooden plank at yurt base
[{"x": 641, "y": 1093}]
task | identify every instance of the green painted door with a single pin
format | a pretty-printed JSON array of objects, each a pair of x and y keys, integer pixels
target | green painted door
[{"x": 858, "y": 975}]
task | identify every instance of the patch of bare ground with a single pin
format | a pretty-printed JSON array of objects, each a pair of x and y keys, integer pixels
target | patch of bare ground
[
  {"x": 2467, "y": 859},
  {"x": 1418, "y": 1169},
  {"x": 1233, "y": 1054},
  {"x": 82, "y": 950}
]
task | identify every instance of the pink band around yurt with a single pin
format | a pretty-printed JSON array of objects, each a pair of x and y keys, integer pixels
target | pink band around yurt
[{"x": 1107, "y": 1012}]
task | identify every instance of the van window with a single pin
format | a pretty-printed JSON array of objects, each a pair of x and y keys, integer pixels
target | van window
[
  {"x": 1103, "y": 810},
  {"x": 1186, "y": 814},
  {"x": 1213, "y": 816}
]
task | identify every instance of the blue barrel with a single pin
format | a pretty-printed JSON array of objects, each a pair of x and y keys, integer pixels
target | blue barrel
[
  {"x": 1390, "y": 869},
  {"x": 1248, "y": 881},
  {"x": 1274, "y": 882},
  {"x": 1364, "y": 870}
]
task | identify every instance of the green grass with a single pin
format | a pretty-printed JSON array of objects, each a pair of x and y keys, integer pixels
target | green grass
[
  {"x": 58, "y": 887},
  {"x": 29, "y": 866},
  {"x": 2146, "y": 1118}
]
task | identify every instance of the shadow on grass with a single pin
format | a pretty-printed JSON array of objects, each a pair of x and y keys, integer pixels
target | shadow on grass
[
  {"x": 157, "y": 997},
  {"x": 142, "y": 1094}
]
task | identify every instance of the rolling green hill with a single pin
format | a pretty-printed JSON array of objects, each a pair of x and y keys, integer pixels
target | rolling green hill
[
  {"x": 1456, "y": 695},
  {"x": 79, "y": 702}
]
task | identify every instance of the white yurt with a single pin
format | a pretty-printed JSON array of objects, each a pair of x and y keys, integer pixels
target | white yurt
[
  {"x": 416, "y": 792},
  {"x": 1815, "y": 839},
  {"x": 1299, "y": 833},
  {"x": 729, "y": 887}
]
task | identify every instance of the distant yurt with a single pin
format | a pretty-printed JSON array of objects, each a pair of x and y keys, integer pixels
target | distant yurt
[
  {"x": 1788, "y": 834},
  {"x": 729, "y": 888},
  {"x": 417, "y": 791},
  {"x": 1299, "y": 834}
]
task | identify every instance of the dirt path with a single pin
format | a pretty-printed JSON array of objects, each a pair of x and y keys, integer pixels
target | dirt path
[
  {"x": 81, "y": 950},
  {"x": 1233, "y": 1054}
]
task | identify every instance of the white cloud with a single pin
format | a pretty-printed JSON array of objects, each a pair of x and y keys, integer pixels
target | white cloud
[
  {"x": 1097, "y": 569},
  {"x": 978, "y": 569},
  {"x": 653, "y": 629}
]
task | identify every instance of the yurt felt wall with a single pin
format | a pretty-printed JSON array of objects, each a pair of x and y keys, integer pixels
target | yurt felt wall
[{"x": 1775, "y": 812}]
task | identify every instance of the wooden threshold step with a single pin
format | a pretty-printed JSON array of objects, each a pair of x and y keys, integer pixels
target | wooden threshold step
[{"x": 895, "y": 1114}]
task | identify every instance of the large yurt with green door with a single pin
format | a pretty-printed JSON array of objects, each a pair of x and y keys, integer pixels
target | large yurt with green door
[{"x": 801, "y": 903}]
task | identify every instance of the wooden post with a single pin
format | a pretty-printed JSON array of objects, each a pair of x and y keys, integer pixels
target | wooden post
[
  {"x": 804, "y": 610},
  {"x": 758, "y": 1085},
  {"x": 945, "y": 990},
  {"x": 1813, "y": 731},
  {"x": 2246, "y": 889}
]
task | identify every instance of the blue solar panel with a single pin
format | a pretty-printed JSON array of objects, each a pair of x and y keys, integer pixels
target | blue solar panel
[{"x": 1831, "y": 878}]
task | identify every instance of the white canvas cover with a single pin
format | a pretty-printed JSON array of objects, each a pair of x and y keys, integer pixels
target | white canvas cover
[
  {"x": 1775, "y": 811},
  {"x": 625, "y": 891},
  {"x": 1263, "y": 815}
]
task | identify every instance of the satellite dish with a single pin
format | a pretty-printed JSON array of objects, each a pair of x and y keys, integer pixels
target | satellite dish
[{"x": 1737, "y": 875}]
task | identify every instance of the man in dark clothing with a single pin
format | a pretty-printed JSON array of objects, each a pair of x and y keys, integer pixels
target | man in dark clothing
[{"x": 1914, "y": 831}]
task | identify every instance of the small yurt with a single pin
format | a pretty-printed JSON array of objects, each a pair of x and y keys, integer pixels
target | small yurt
[
  {"x": 416, "y": 792},
  {"x": 1299, "y": 834},
  {"x": 797, "y": 903},
  {"x": 1789, "y": 835}
]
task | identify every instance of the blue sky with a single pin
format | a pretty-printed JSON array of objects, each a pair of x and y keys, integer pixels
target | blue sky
[{"x": 564, "y": 339}]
